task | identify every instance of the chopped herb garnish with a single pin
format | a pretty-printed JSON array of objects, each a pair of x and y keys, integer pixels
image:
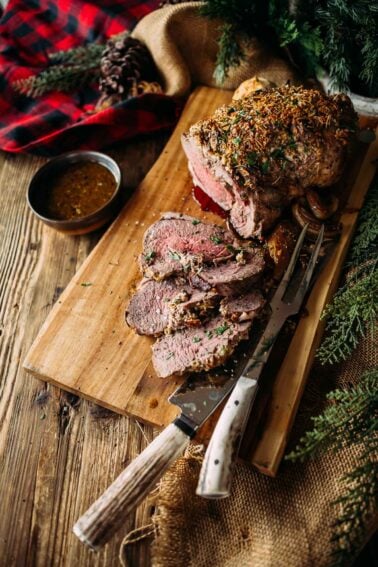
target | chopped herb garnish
[
  {"x": 278, "y": 153},
  {"x": 264, "y": 167},
  {"x": 149, "y": 256},
  {"x": 197, "y": 339},
  {"x": 231, "y": 248},
  {"x": 174, "y": 255},
  {"x": 86, "y": 284},
  {"x": 169, "y": 355},
  {"x": 196, "y": 221},
  {"x": 216, "y": 239},
  {"x": 221, "y": 329},
  {"x": 209, "y": 334},
  {"x": 252, "y": 158},
  {"x": 237, "y": 141}
]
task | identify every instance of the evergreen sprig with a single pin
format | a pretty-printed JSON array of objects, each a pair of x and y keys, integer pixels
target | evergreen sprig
[
  {"x": 351, "y": 418},
  {"x": 353, "y": 311},
  {"x": 83, "y": 54},
  {"x": 58, "y": 78},
  {"x": 358, "y": 502},
  {"x": 230, "y": 53},
  {"x": 67, "y": 70},
  {"x": 337, "y": 35}
]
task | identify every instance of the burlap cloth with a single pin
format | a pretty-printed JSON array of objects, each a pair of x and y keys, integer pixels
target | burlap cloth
[
  {"x": 266, "y": 522},
  {"x": 184, "y": 47}
]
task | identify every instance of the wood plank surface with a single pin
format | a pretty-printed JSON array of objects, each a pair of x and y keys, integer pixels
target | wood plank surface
[
  {"x": 85, "y": 346},
  {"x": 58, "y": 452},
  {"x": 291, "y": 379}
]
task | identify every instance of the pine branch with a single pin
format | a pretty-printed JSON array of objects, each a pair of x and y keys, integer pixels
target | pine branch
[
  {"x": 337, "y": 35},
  {"x": 351, "y": 417},
  {"x": 357, "y": 504},
  {"x": 229, "y": 54},
  {"x": 353, "y": 311},
  {"x": 58, "y": 78},
  {"x": 68, "y": 70},
  {"x": 84, "y": 54},
  {"x": 78, "y": 55}
]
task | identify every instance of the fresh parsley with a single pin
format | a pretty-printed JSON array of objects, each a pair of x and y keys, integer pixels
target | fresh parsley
[
  {"x": 221, "y": 329},
  {"x": 216, "y": 239}
]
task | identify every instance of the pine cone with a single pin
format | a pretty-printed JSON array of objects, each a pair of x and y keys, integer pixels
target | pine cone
[{"x": 124, "y": 63}]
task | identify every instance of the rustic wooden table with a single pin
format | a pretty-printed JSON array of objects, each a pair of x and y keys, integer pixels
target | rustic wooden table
[{"x": 57, "y": 452}]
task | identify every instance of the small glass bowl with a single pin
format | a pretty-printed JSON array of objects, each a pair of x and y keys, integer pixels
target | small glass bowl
[{"x": 40, "y": 185}]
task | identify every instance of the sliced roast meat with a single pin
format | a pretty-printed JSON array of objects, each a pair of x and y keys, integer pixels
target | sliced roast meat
[
  {"x": 254, "y": 155},
  {"x": 197, "y": 349},
  {"x": 192, "y": 308},
  {"x": 242, "y": 308},
  {"x": 178, "y": 243},
  {"x": 148, "y": 311},
  {"x": 161, "y": 307},
  {"x": 235, "y": 276}
]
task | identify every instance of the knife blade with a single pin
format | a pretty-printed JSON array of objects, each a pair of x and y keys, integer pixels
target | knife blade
[{"x": 197, "y": 399}]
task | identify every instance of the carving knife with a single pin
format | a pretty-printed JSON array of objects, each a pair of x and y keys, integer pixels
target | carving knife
[
  {"x": 197, "y": 398},
  {"x": 216, "y": 472}
]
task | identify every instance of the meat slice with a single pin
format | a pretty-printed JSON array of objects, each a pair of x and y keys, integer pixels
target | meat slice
[
  {"x": 177, "y": 243},
  {"x": 191, "y": 309},
  {"x": 235, "y": 276},
  {"x": 161, "y": 307},
  {"x": 193, "y": 350},
  {"x": 148, "y": 311},
  {"x": 254, "y": 155},
  {"x": 242, "y": 308}
]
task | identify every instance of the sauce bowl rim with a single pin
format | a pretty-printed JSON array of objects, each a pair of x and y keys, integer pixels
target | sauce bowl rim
[{"x": 73, "y": 157}]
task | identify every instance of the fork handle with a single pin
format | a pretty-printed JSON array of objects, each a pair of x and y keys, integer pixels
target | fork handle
[{"x": 216, "y": 471}]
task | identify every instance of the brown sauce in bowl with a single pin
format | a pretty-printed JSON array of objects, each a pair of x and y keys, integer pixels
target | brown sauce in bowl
[{"x": 80, "y": 190}]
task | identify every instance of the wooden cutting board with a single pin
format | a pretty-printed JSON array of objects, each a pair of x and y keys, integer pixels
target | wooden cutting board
[{"x": 85, "y": 346}]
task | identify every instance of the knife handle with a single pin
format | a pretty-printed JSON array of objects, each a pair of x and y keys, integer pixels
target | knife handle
[
  {"x": 108, "y": 513},
  {"x": 215, "y": 476}
]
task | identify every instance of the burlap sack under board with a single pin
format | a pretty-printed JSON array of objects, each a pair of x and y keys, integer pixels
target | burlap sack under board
[
  {"x": 266, "y": 522},
  {"x": 184, "y": 47}
]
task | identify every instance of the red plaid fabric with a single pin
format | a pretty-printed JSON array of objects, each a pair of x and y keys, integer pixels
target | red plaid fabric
[{"x": 57, "y": 122}]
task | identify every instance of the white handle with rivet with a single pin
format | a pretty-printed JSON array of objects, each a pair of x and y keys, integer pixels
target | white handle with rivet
[{"x": 216, "y": 471}]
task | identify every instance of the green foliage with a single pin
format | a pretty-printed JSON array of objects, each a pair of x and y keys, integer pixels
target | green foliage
[
  {"x": 58, "y": 78},
  {"x": 337, "y": 35},
  {"x": 352, "y": 312},
  {"x": 68, "y": 70},
  {"x": 78, "y": 55},
  {"x": 354, "y": 309},
  {"x": 351, "y": 418},
  {"x": 229, "y": 55},
  {"x": 358, "y": 502}
]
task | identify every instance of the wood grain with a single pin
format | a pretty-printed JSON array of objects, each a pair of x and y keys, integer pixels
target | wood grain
[
  {"x": 57, "y": 451},
  {"x": 85, "y": 346},
  {"x": 291, "y": 379}
]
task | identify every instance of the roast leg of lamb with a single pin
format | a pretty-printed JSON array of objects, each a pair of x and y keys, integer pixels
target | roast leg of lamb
[
  {"x": 255, "y": 155},
  {"x": 197, "y": 293}
]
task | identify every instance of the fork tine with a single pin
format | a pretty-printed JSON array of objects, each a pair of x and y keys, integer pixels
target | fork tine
[
  {"x": 304, "y": 285},
  {"x": 290, "y": 269}
]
